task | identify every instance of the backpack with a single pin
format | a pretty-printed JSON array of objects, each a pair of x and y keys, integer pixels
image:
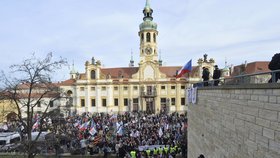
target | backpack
[{"x": 275, "y": 62}]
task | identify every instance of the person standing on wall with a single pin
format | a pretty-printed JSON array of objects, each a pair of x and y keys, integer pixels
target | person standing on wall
[
  {"x": 274, "y": 64},
  {"x": 205, "y": 76},
  {"x": 216, "y": 75}
]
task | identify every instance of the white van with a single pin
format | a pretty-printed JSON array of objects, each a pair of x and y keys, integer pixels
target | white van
[{"x": 9, "y": 138}]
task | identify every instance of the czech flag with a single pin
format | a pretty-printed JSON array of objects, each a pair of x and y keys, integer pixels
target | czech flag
[
  {"x": 186, "y": 68},
  {"x": 84, "y": 126}
]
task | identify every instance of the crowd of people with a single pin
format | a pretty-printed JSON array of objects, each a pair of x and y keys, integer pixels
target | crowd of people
[{"x": 136, "y": 134}]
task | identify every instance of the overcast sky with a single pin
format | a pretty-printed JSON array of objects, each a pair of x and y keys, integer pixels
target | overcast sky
[{"x": 236, "y": 30}]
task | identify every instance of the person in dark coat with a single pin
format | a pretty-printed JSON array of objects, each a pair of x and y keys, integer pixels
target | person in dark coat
[
  {"x": 216, "y": 75},
  {"x": 273, "y": 65},
  {"x": 205, "y": 76},
  {"x": 201, "y": 156}
]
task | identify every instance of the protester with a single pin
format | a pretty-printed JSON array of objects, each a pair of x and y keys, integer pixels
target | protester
[
  {"x": 201, "y": 156},
  {"x": 216, "y": 75},
  {"x": 274, "y": 64},
  {"x": 131, "y": 134},
  {"x": 205, "y": 75}
]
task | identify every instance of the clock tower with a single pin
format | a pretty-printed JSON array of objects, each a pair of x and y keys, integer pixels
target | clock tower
[{"x": 148, "y": 36}]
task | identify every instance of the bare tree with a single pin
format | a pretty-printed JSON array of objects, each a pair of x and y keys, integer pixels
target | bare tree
[{"x": 30, "y": 87}]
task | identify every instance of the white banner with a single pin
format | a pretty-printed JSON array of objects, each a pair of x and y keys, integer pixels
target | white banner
[
  {"x": 191, "y": 95},
  {"x": 194, "y": 94}
]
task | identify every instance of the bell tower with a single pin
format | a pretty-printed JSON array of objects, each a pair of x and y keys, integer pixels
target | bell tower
[{"x": 148, "y": 36}]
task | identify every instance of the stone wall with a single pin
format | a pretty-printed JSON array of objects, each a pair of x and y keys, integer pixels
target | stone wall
[{"x": 235, "y": 122}]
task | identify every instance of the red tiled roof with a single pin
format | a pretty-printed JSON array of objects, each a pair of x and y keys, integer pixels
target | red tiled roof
[
  {"x": 37, "y": 85},
  {"x": 170, "y": 71},
  {"x": 253, "y": 67},
  {"x": 125, "y": 72},
  {"x": 68, "y": 82}
]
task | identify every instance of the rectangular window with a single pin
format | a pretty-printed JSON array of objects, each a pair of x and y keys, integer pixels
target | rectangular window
[
  {"x": 104, "y": 102},
  {"x": 82, "y": 88},
  {"x": 92, "y": 102},
  {"x": 92, "y": 88},
  {"x": 103, "y": 88},
  {"x": 162, "y": 100},
  {"x": 83, "y": 103},
  {"x": 51, "y": 103},
  {"x": 173, "y": 101},
  {"x": 116, "y": 102},
  {"x": 162, "y": 87},
  {"x": 135, "y": 88},
  {"x": 135, "y": 100},
  {"x": 173, "y": 87},
  {"x": 182, "y": 87},
  {"x": 125, "y": 102},
  {"x": 183, "y": 101},
  {"x": 125, "y": 88},
  {"x": 116, "y": 88}
]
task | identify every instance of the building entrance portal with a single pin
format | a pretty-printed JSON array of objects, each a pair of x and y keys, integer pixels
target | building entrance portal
[{"x": 150, "y": 105}]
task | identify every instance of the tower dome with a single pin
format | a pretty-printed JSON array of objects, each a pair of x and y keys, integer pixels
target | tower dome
[{"x": 148, "y": 23}]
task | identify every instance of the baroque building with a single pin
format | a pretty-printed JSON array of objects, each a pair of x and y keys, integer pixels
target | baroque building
[{"x": 149, "y": 87}]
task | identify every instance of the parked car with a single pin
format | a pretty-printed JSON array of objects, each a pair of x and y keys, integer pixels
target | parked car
[{"x": 9, "y": 141}]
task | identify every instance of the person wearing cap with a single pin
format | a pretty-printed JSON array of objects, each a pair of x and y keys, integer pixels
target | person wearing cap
[{"x": 216, "y": 75}]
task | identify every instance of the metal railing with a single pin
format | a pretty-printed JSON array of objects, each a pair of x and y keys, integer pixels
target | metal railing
[{"x": 255, "y": 78}]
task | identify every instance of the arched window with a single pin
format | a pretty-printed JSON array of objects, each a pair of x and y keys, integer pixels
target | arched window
[
  {"x": 148, "y": 37},
  {"x": 142, "y": 37},
  {"x": 155, "y": 40},
  {"x": 92, "y": 74}
]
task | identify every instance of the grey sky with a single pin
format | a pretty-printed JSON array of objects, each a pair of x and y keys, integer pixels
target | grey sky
[{"x": 238, "y": 30}]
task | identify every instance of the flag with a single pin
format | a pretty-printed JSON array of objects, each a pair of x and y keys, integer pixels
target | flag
[
  {"x": 36, "y": 125},
  {"x": 92, "y": 129},
  {"x": 97, "y": 139},
  {"x": 160, "y": 133},
  {"x": 120, "y": 130},
  {"x": 77, "y": 124},
  {"x": 186, "y": 68},
  {"x": 84, "y": 126}
]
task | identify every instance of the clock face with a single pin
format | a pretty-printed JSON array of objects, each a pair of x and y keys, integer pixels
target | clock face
[{"x": 148, "y": 51}]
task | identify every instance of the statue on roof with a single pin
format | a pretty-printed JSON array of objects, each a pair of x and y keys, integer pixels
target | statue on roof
[
  {"x": 92, "y": 60},
  {"x": 205, "y": 57}
]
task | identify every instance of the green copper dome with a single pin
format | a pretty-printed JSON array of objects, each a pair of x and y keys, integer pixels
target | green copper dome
[{"x": 148, "y": 23}]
